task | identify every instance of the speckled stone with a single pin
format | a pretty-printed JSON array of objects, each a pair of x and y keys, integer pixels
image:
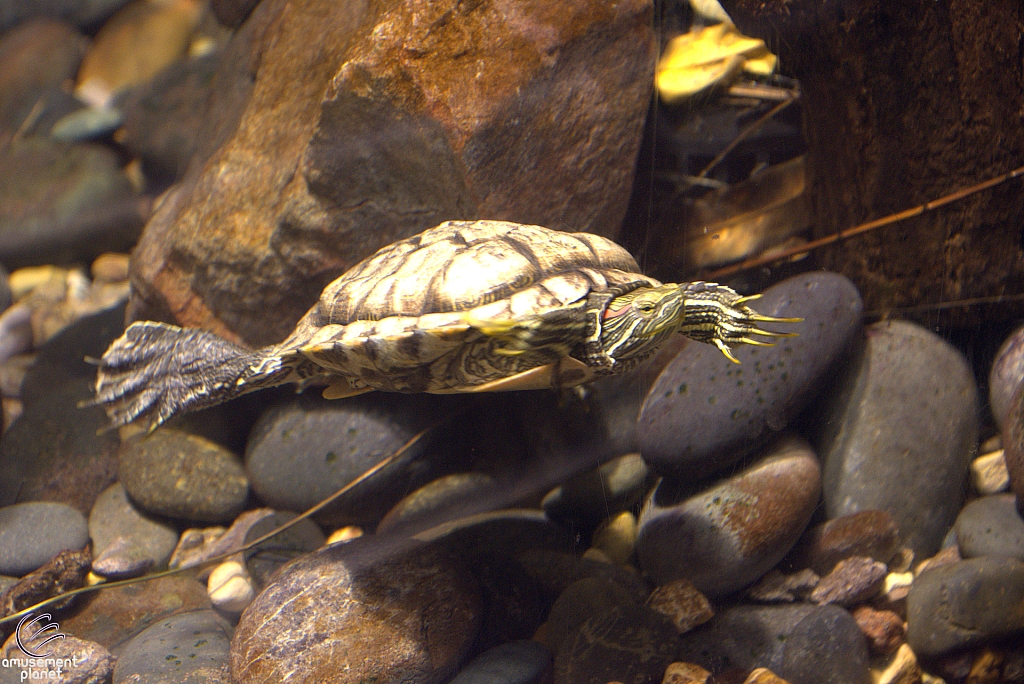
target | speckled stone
[
  {"x": 628, "y": 643},
  {"x": 1013, "y": 443},
  {"x": 33, "y": 533},
  {"x": 304, "y": 450},
  {"x": 991, "y": 526},
  {"x": 865, "y": 533},
  {"x": 125, "y": 542},
  {"x": 883, "y": 628},
  {"x": 705, "y": 412},
  {"x": 518, "y": 662},
  {"x": 899, "y": 434},
  {"x": 64, "y": 572},
  {"x": 681, "y": 603},
  {"x": 179, "y": 475},
  {"x": 802, "y": 644},
  {"x": 187, "y": 648},
  {"x": 965, "y": 603},
  {"x": 364, "y": 609},
  {"x": 725, "y": 537}
]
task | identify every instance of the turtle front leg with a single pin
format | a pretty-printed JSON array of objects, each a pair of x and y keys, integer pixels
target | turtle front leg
[{"x": 718, "y": 315}]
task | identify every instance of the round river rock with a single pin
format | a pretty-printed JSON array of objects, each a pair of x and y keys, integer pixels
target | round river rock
[
  {"x": 725, "y": 537},
  {"x": 362, "y": 611},
  {"x": 180, "y": 475},
  {"x": 705, "y": 412}
]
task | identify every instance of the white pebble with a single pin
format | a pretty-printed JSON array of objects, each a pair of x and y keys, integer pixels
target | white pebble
[{"x": 230, "y": 587}]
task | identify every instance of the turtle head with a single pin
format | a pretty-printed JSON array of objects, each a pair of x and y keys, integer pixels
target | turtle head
[{"x": 636, "y": 322}]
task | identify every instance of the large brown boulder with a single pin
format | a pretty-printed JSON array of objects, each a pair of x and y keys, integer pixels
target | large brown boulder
[{"x": 339, "y": 127}]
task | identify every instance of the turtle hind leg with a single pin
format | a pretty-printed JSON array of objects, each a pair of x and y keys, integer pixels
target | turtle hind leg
[{"x": 159, "y": 371}]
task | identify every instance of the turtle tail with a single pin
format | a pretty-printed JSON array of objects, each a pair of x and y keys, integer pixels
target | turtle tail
[{"x": 159, "y": 371}]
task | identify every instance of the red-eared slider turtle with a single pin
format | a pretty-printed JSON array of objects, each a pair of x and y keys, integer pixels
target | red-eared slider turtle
[{"x": 468, "y": 306}]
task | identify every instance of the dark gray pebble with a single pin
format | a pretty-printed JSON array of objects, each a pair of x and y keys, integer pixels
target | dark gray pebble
[
  {"x": 965, "y": 603},
  {"x": 900, "y": 433},
  {"x": 800, "y": 643},
  {"x": 705, "y": 412},
  {"x": 587, "y": 499},
  {"x": 518, "y": 662},
  {"x": 184, "y": 476},
  {"x": 991, "y": 526},
  {"x": 187, "y": 648},
  {"x": 306, "y": 449},
  {"x": 33, "y": 533},
  {"x": 127, "y": 543},
  {"x": 726, "y": 536},
  {"x": 263, "y": 560},
  {"x": 370, "y": 609}
]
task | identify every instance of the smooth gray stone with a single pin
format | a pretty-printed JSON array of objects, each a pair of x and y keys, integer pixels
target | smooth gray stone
[
  {"x": 704, "y": 412},
  {"x": 32, "y": 533},
  {"x": 125, "y": 542},
  {"x": 991, "y": 526},
  {"x": 587, "y": 499},
  {"x": 802, "y": 644},
  {"x": 518, "y": 662},
  {"x": 187, "y": 648},
  {"x": 900, "y": 431},
  {"x": 266, "y": 558},
  {"x": 306, "y": 449},
  {"x": 436, "y": 501},
  {"x": 726, "y": 536},
  {"x": 965, "y": 603}
]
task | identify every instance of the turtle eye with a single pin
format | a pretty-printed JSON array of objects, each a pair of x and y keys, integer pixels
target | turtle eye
[{"x": 645, "y": 307}]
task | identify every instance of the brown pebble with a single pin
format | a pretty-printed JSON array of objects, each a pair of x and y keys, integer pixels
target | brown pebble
[
  {"x": 947, "y": 556},
  {"x": 987, "y": 668},
  {"x": 776, "y": 587},
  {"x": 110, "y": 267},
  {"x": 866, "y": 533},
  {"x": 884, "y": 629},
  {"x": 64, "y": 572},
  {"x": 854, "y": 580},
  {"x": 685, "y": 673},
  {"x": 681, "y": 603}
]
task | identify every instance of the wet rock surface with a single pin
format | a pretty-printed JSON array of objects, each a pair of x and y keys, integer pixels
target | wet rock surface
[
  {"x": 32, "y": 533},
  {"x": 517, "y": 662},
  {"x": 453, "y": 150},
  {"x": 705, "y": 412},
  {"x": 183, "y": 476},
  {"x": 303, "y": 451},
  {"x": 965, "y": 603},
  {"x": 127, "y": 543},
  {"x": 990, "y": 526},
  {"x": 188, "y": 648},
  {"x": 803, "y": 644},
  {"x": 894, "y": 402},
  {"x": 360, "y": 610},
  {"x": 726, "y": 536}
]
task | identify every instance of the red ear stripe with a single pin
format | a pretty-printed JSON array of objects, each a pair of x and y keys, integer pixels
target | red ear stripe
[{"x": 612, "y": 313}]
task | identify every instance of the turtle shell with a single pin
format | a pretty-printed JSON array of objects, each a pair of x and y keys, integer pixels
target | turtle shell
[{"x": 462, "y": 265}]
